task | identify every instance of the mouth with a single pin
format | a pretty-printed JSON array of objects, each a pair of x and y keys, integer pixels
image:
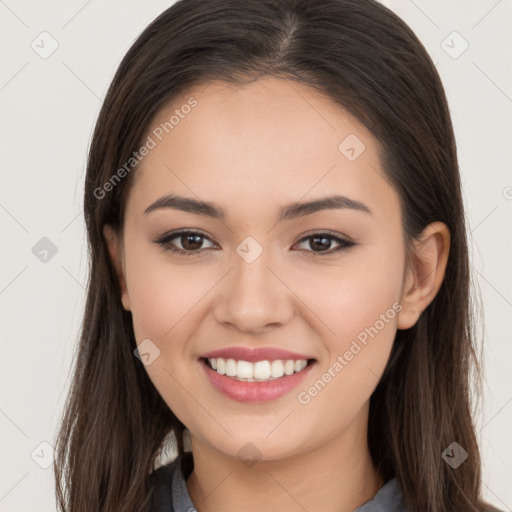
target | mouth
[
  {"x": 258, "y": 371},
  {"x": 258, "y": 381}
]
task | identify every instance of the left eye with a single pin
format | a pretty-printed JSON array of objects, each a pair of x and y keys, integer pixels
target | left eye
[
  {"x": 191, "y": 242},
  {"x": 322, "y": 241}
]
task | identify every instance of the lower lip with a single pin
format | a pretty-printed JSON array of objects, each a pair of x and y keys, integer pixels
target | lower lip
[{"x": 254, "y": 392}]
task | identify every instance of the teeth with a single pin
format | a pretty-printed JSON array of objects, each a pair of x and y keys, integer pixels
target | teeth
[
  {"x": 244, "y": 370},
  {"x": 276, "y": 368},
  {"x": 289, "y": 367},
  {"x": 221, "y": 365},
  {"x": 262, "y": 370},
  {"x": 231, "y": 368},
  {"x": 258, "y": 371}
]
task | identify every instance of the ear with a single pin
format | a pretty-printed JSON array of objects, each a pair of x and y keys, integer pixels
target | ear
[
  {"x": 115, "y": 250},
  {"x": 425, "y": 273}
]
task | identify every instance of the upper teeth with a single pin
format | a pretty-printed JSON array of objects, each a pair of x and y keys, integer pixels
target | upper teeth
[{"x": 260, "y": 370}]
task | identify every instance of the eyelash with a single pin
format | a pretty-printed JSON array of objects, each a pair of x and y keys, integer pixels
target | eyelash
[{"x": 165, "y": 240}]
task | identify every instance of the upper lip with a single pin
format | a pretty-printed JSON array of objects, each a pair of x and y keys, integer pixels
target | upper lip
[{"x": 254, "y": 354}]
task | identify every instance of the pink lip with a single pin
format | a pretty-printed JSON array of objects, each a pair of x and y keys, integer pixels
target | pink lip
[
  {"x": 254, "y": 354},
  {"x": 254, "y": 392}
]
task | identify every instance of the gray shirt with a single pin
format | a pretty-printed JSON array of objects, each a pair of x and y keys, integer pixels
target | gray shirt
[{"x": 170, "y": 493}]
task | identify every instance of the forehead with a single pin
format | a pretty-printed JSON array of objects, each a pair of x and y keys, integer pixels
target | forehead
[{"x": 259, "y": 141}]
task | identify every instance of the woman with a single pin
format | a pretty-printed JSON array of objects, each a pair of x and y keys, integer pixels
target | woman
[{"x": 279, "y": 270}]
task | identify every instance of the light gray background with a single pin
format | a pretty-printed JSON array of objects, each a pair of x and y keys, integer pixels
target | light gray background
[{"x": 48, "y": 109}]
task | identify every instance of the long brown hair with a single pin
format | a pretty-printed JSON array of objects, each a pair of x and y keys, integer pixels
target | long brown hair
[{"x": 365, "y": 58}]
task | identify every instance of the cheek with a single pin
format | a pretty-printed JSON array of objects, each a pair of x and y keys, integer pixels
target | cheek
[
  {"x": 349, "y": 298},
  {"x": 162, "y": 295},
  {"x": 356, "y": 357},
  {"x": 358, "y": 308},
  {"x": 162, "y": 300}
]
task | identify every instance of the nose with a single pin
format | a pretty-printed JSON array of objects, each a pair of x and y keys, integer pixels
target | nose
[{"x": 254, "y": 297}]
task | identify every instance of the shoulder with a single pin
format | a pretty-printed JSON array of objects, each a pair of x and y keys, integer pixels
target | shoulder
[
  {"x": 168, "y": 486},
  {"x": 388, "y": 499},
  {"x": 161, "y": 487}
]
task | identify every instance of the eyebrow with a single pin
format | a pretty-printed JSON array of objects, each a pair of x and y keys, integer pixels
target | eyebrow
[{"x": 288, "y": 212}]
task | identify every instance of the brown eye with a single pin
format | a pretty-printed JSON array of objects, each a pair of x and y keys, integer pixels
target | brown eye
[
  {"x": 320, "y": 243},
  {"x": 189, "y": 242}
]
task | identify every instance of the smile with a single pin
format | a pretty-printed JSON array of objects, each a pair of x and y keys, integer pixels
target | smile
[
  {"x": 259, "y": 371},
  {"x": 258, "y": 381}
]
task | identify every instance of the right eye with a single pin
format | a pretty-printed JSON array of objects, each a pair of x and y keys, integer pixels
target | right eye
[{"x": 190, "y": 242}]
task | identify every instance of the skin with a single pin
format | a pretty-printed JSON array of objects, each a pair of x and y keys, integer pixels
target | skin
[{"x": 251, "y": 149}]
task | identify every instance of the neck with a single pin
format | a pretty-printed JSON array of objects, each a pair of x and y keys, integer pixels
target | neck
[{"x": 337, "y": 476}]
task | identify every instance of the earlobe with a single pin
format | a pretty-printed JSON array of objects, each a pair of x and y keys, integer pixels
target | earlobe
[
  {"x": 425, "y": 273},
  {"x": 116, "y": 256}
]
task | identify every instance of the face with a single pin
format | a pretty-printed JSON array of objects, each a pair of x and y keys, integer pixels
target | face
[{"x": 325, "y": 283}]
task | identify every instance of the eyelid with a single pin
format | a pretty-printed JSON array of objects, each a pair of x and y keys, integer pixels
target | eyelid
[
  {"x": 333, "y": 234},
  {"x": 344, "y": 241},
  {"x": 166, "y": 238}
]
